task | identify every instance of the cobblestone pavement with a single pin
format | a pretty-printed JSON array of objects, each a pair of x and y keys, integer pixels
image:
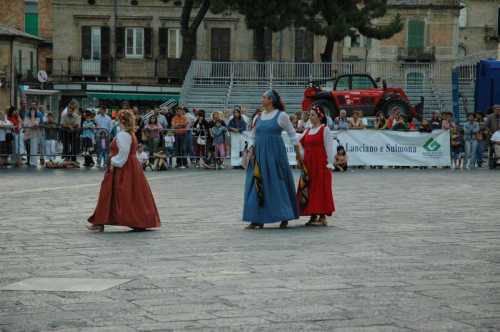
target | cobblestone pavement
[{"x": 407, "y": 250}]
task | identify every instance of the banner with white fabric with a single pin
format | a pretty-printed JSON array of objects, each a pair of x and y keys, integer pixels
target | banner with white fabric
[
  {"x": 395, "y": 148},
  {"x": 240, "y": 141}
]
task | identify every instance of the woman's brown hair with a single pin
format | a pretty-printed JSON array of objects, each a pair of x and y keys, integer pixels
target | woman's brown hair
[{"x": 127, "y": 119}]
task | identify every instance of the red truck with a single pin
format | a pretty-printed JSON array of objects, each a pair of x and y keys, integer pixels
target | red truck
[{"x": 359, "y": 92}]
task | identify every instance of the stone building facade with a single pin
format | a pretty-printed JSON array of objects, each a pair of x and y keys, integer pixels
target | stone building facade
[
  {"x": 479, "y": 27},
  {"x": 140, "y": 41}
]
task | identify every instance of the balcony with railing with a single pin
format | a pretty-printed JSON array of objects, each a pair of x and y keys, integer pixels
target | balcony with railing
[
  {"x": 110, "y": 69},
  {"x": 76, "y": 68},
  {"x": 421, "y": 54}
]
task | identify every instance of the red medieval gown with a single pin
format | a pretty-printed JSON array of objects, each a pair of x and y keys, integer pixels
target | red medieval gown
[
  {"x": 125, "y": 198},
  {"x": 320, "y": 200}
]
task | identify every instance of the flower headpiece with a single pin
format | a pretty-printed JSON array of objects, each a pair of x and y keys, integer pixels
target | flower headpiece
[{"x": 319, "y": 112}]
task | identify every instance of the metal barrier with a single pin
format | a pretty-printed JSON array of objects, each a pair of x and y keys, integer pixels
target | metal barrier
[
  {"x": 51, "y": 143},
  {"x": 56, "y": 145}
]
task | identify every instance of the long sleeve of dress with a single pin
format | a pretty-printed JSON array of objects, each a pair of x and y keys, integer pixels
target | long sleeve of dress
[
  {"x": 328, "y": 143},
  {"x": 124, "y": 141},
  {"x": 287, "y": 126}
]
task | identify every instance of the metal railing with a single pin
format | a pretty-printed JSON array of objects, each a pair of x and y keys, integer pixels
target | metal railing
[
  {"x": 75, "y": 67},
  {"x": 221, "y": 74}
]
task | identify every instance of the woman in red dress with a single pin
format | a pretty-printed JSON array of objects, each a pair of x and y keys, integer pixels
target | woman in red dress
[
  {"x": 125, "y": 198},
  {"x": 317, "y": 145}
]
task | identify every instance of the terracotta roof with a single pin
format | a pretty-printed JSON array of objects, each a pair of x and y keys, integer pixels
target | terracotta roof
[{"x": 8, "y": 31}]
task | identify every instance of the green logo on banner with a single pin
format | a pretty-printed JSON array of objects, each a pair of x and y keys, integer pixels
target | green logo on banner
[{"x": 432, "y": 145}]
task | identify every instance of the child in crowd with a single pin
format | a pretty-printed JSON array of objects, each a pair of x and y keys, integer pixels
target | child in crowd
[
  {"x": 457, "y": 148},
  {"x": 412, "y": 124},
  {"x": 219, "y": 136},
  {"x": 102, "y": 148},
  {"x": 51, "y": 133},
  {"x": 447, "y": 123},
  {"x": 143, "y": 157},
  {"x": 160, "y": 161},
  {"x": 340, "y": 160},
  {"x": 88, "y": 134},
  {"x": 425, "y": 127},
  {"x": 169, "y": 141}
]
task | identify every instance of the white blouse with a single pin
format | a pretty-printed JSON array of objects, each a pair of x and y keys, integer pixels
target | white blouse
[
  {"x": 283, "y": 121},
  {"x": 327, "y": 142},
  {"x": 124, "y": 141}
]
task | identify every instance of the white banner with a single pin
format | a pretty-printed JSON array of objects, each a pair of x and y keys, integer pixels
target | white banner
[
  {"x": 240, "y": 141},
  {"x": 395, "y": 148}
]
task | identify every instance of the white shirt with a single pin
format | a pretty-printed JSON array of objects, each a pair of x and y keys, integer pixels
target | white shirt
[
  {"x": 327, "y": 142},
  {"x": 283, "y": 121},
  {"x": 4, "y": 129},
  {"x": 169, "y": 141},
  {"x": 191, "y": 119},
  {"x": 496, "y": 136},
  {"x": 143, "y": 157},
  {"x": 124, "y": 141}
]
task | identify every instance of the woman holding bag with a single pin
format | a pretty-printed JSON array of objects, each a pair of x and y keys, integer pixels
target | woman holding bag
[
  {"x": 200, "y": 132},
  {"x": 269, "y": 187},
  {"x": 315, "y": 195}
]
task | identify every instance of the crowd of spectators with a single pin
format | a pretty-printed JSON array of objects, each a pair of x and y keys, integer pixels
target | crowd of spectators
[{"x": 183, "y": 138}]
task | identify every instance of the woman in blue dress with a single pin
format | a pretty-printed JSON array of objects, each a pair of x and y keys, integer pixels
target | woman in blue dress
[{"x": 270, "y": 187}]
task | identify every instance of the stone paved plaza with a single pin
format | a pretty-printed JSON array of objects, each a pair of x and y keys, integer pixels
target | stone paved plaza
[{"x": 408, "y": 250}]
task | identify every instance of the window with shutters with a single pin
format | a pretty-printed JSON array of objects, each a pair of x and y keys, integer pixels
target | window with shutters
[
  {"x": 416, "y": 35},
  {"x": 174, "y": 43},
  {"x": 31, "y": 17},
  {"x": 134, "y": 43}
]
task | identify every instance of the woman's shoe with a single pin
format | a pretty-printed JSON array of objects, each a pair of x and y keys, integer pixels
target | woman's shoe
[
  {"x": 311, "y": 221},
  {"x": 97, "y": 228},
  {"x": 284, "y": 224},
  {"x": 321, "y": 222},
  {"x": 255, "y": 226}
]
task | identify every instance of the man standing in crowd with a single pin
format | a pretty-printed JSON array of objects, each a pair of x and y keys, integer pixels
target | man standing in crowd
[
  {"x": 71, "y": 123},
  {"x": 103, "y": 120},
  {"x": 180, "y": 124}
]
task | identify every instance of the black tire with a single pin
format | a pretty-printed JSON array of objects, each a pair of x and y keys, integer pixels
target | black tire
[
  {"x": 390, "y": 105},
  {"x": 328, "y": 107}
]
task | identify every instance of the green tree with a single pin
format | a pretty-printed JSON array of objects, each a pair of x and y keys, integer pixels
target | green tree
[
  {"x": 337, "y": 19},
  {"x": 193, "y": 13}
]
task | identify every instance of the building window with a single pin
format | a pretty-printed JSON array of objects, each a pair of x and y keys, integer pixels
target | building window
[
  {"x": 31, "y": 17},
  {"x": 416, "y": 35},
  {"x": 96, "y": 43},
  {"x": 357, "y": 41},
  {"x": 462, "y": 19},
  {"x": 498, "y": 23},
  {"x": 20, "y": 61},
  {"x": 135, "y": 43},
  {"x": 32, "y": 61},
  {"x": 174, "y": 43}
]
